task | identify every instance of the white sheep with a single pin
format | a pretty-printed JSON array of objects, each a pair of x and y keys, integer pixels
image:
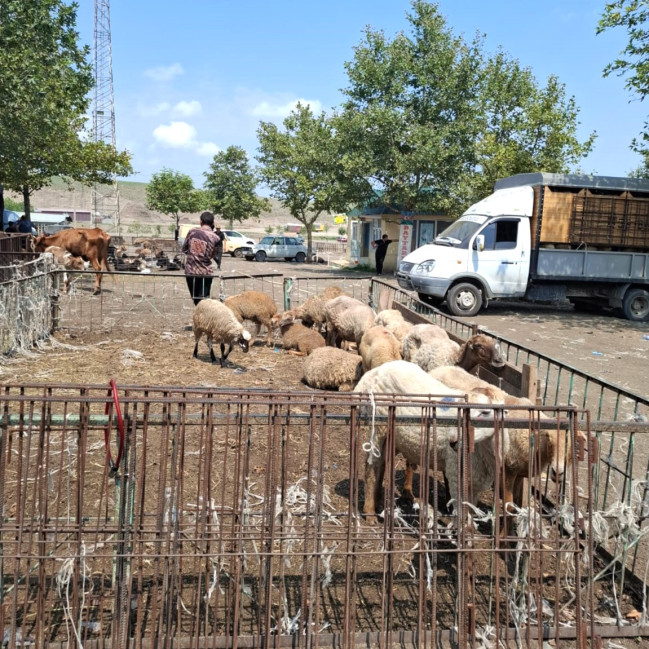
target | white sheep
[
  {"x": 378, "y": 346},
  {"x": 347, "y": 319},
  {"x": 220, "y": 325},
  {"x": 330, "y": 368},
  {"x": 402, "y": 377},
  {"x": 256, "y": 307},
  {"x": 394, "y": 322},
  {"x": 427, "y": 346}
]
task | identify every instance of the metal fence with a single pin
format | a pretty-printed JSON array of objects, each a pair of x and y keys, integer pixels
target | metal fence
[
  {"x": 159, "y": 517},
  {"x": 233, "y": 517},
  {"x": 619, "y": 418}
]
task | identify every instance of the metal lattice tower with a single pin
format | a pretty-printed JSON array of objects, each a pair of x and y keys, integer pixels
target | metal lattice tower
[{"x": 105, "y": 197}]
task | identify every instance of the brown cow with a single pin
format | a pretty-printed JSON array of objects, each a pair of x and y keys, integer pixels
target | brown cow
[{"x": 91, "y": 244}]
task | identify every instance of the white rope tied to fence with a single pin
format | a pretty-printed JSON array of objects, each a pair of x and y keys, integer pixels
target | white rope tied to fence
[
  {"x": 372, "y": 450},
  {"x": 63, "y": 581}
]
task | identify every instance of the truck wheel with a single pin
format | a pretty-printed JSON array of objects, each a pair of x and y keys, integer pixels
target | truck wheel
[
  {"x": 464, "y": 300},
  {"x": 636, "y": 305}
]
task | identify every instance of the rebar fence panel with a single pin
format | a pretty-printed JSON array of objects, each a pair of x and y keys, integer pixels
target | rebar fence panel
[
  {"x": 154, "y": 517},
  {"x": 620, "y": 421},
  {"x": 299, "y": 289}
]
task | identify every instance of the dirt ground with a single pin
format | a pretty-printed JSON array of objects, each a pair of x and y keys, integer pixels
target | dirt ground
[{"x": 603, "y": 345}]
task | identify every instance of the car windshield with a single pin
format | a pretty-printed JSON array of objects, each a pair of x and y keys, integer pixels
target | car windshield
[
  {"x": 231, "y": 234},
  {"x": 267, "y": 241},
  {"x": 459, "y": 234}
]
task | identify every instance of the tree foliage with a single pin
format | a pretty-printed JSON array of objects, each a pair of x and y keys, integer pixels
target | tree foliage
[
  {"x": 430, "y": 119},
  {"x": 171, "y": 192},
  {"x": 301, "y": 167},
  {"x": 633, "y": 62},
  {"x": 46, "y": 80},
  {"x": 230, "y": 186}
]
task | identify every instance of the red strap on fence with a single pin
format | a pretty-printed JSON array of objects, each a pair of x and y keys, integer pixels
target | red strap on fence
[{"x": 114, "y": 465}]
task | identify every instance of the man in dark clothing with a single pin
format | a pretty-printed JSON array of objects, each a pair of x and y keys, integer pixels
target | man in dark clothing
[
  {"x": 12, "y": 227},
  {"x": 218, "y": 254},
  {"x": 381, "y": 247},
  {"x": 25, "y": 225},
  {"x": 200, "y": 248}
]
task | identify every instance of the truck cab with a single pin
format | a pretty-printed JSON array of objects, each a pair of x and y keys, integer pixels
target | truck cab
[{"x": 485, "y": 254}]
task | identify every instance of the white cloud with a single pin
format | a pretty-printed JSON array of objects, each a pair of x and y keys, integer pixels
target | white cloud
[
  {"x": 164, "y": 73},
  {"x": 152, "y": 111},
  {"x": 268, "y": 109},
  {"x": 181, "y": 135},
  {"x": 187, "y": 108},
  {"x": 177, "y": 135},
  {"x": 207, "y": 148}
]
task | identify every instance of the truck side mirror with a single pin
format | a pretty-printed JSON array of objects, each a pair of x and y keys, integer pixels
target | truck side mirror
[{"x": 478, "y": 244}]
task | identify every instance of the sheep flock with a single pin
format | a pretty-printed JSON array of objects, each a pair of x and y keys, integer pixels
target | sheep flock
[{"x": 346, "y": 346}]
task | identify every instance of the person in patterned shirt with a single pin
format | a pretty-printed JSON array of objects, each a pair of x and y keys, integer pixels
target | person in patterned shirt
[{"x": 200, "y": 248}]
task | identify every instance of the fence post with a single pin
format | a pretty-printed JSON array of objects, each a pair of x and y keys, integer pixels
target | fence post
[{"x": 288, "y": 287}]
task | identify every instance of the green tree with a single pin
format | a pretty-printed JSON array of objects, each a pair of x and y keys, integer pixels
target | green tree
[
  {"x": 46, "y": 80},
  {"x": 342, "y": 231},
  {"x": 230, "y": 187},
  {"x": 419, "y": 122},
  {"x": 301, "y": 167},
  {"x": 633, "y": 62},
  {"x": 525, "y": 127},
  {"x": 171, "y": 192},
  {"x": 269, "y": 229}
]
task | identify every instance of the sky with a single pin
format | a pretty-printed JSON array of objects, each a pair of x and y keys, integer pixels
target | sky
[{"x": 192, "y": 78}]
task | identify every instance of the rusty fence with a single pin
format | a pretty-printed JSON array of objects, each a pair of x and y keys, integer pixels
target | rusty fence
[
  {"x": 159, "y": 517},
  {"x": 618, "y": 417}
]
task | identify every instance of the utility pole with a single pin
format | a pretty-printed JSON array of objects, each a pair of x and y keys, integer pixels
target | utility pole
[{"x": 105, "y": 197}]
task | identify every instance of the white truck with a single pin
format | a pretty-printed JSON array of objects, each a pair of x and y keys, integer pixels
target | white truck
[{"x": 546, "y": 238}]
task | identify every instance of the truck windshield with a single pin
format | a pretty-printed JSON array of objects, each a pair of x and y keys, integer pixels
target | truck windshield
[{"x": 459, "y": 234}]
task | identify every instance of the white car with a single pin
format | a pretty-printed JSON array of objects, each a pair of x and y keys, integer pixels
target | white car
[
  {"x": 277, "y": 247},
  {"x": 235, "y": 242}
]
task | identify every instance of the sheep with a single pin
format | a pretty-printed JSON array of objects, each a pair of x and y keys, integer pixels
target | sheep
[
  {"x": 402, "y": 377},
  {"x": 68, "y": 262},
  {"x": 429, "y": 348},
  {"x": 296, "y": 338},
  {"x": 392, "y": 320},
  {"x": 347, "y": 319},
  {"x": 219, "y": 324},
  {"x": 311, "y": 312},
  {"x": 552, "y": 449},
  {"x": 330, "y": 368},
  {"x": 378, "y": 346},
  {"x": 255, "y": 306}
]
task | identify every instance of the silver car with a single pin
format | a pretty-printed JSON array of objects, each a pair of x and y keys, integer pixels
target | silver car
[{"x": 277, "y": 247}]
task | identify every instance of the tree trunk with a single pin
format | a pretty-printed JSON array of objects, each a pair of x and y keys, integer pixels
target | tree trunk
[
  {"x": 26, "y": 201},
  {"x": 309, "y": 239}
]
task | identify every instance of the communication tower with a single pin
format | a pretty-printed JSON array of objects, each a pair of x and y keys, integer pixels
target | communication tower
[{"x": 105, "y": 197}]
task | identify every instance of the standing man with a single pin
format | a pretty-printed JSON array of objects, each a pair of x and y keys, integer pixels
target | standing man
[
  {"x": 219, "y": 247},
  {"x": 200, "y": 247},
  {"x": 381, "y": 246}
]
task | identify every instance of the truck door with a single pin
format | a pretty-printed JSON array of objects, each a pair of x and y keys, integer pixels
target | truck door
[{"x": 504, "y": 262}]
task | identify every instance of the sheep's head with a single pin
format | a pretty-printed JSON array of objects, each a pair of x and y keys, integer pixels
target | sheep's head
[
  {"x": 282, "y": 319},
  {"x": 482, "y": 350},
  {"x": 244, "y": 341}
]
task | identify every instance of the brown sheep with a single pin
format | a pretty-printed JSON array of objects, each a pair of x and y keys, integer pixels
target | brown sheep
[
  {"x": 378, "y": 346},
  {"x": 296, "y": 338},
  {"x": 256, "y": 307}
]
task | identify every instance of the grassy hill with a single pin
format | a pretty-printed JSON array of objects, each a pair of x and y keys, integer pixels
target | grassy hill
[{"x": 133, "y": 209}]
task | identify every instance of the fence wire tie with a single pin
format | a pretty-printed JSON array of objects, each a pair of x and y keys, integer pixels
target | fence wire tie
[{"x": 370, "y": 447}]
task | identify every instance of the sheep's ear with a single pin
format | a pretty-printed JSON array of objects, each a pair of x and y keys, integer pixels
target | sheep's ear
[{"x": 246, "y": 335}]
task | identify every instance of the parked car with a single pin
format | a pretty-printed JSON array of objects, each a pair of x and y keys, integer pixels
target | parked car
[
  {"x": 342, "y": 239},
  {"x": 235, "y": 242},
  {"x": 277, "y": 247}
]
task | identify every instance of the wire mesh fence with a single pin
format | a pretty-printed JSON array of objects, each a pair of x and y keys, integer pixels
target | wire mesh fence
[{"x": 226, "y": 517}]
